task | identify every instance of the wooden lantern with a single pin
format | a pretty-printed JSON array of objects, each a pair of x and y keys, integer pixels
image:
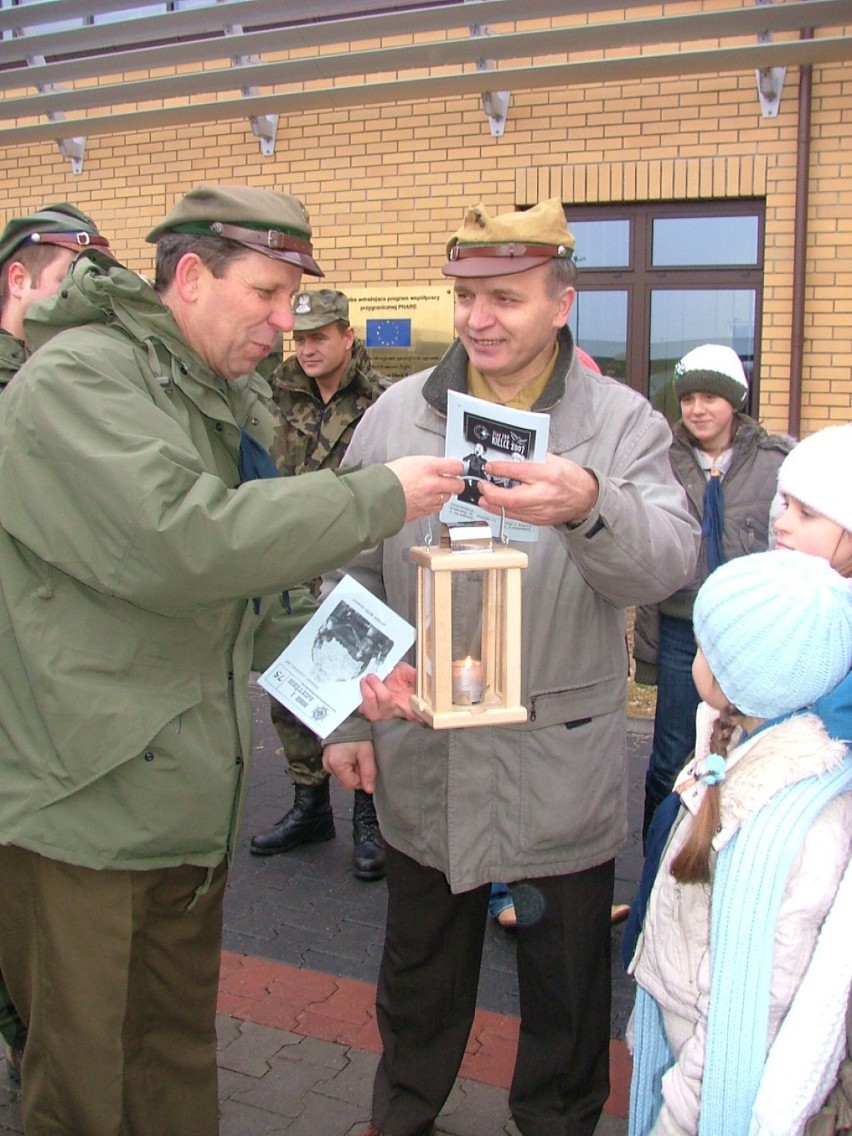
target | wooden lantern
[{"x": 469, "y": 634}]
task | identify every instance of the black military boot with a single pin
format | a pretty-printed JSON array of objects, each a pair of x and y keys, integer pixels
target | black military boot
[
  {"x": 368, "y": 855},
  {"x": 308, "y": 822}
]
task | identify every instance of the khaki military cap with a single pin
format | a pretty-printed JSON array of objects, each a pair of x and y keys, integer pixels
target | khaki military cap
[
  {"x": 317, "y": 309},
  {"x": 512, "y": 242},
  {"x": 62, "y": 225},
  {"x": 273, "y": 224}
]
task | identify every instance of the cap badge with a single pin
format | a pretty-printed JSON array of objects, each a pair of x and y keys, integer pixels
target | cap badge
[
  {"x": 81, "y": 238},
  {"x": 303, "y": 305}
]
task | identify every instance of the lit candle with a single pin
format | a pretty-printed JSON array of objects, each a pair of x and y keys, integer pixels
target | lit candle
[{"x": 468, "y": 681}]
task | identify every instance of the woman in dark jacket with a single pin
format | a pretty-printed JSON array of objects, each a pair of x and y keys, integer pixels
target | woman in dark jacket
[{"x": 728, "y": 466}]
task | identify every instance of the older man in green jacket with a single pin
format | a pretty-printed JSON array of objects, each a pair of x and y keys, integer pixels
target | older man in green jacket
[{"x": 144, "y": 568}]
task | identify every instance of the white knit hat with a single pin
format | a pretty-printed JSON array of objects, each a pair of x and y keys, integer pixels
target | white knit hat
[
  {"x": 714, "y": 369},
  {"x": 818, "y": 472},
  {"x": 776, "y": 630}
]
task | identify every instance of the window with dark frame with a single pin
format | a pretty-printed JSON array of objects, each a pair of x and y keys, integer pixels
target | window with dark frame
[{"x": 656, "y": 280}]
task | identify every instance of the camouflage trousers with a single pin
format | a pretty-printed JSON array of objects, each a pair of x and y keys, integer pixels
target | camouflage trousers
[{"x": 302, "y": 748}]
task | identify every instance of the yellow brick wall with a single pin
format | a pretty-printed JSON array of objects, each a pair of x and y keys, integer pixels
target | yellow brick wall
[{"x": 386, "y": 185}]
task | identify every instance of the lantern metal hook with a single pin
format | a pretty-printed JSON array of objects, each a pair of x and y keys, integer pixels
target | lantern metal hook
[{"x": 503, "y": 536}]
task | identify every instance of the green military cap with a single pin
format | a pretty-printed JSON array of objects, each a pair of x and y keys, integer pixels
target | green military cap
[
  {"x": 62, "y": 225},
  {"x": 317, "y": 309},
  {"x": 512, "y": 242},
  {"x": 274, "y": 224}
]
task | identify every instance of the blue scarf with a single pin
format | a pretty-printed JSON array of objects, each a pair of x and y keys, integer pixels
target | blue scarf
[
  {"x": 751, "y": 874},
  {"x": 711, "y": 524},
  {"x": 254, "y": 462}
]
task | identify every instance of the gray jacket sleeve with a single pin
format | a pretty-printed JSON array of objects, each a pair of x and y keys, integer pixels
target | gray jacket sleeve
[{"x": 639, "y": 544}]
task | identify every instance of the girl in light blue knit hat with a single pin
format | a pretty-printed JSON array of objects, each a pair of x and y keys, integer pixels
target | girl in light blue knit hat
[{"x": 753, "y": 896}]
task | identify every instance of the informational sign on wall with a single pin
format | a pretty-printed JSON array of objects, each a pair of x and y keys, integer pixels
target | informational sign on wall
[{"x": 404, "y": 329}]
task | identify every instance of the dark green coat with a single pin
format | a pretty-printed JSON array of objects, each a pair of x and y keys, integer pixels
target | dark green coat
[
  {"x": 13, "y": 354},
  {"x": 748, "y": 487}
]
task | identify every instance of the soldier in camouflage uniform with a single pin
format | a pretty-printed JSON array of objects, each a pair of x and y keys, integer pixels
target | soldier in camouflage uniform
[
  {"x": 35, "y": 254},
  {"x": 322, "y": 392}
]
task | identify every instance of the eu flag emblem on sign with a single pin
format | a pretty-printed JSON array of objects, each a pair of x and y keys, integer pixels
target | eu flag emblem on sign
[{"x": 389, "y": 333}]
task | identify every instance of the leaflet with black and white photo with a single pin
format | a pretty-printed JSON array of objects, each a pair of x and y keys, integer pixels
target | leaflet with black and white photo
[
  {"x": 351, "y": 634},
  {"x": 479, "y": 432}
]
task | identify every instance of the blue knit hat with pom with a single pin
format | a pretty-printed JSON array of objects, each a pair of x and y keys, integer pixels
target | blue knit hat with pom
[{"x": 776, "y": 630}]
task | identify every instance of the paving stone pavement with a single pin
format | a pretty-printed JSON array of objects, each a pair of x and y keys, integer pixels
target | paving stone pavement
[
  {"x": 302, "y": 922},
  {"x": 306, "y": 909}
]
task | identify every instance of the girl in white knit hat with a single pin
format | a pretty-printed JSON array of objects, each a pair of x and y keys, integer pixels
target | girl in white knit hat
[
  {"x": 747, "y": 920},
  {"x": 728, "y": 466},
  {"x": 814, "y": 514},
  {"x": 811, "y": 512},
  {"x": 815, "y": 490}
]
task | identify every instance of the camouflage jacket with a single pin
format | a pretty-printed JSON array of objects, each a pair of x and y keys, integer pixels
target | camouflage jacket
[
  {"x": 13, "y": 354},
  {"x": 314, "y": 434},
  {"x": 311, "y": 435}
]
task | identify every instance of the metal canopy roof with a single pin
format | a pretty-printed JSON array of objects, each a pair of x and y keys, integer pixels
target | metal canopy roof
[{"x": 78, "y": 62}]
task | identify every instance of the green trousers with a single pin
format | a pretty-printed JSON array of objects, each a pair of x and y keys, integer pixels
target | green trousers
[{"x": 116, "y": 975}]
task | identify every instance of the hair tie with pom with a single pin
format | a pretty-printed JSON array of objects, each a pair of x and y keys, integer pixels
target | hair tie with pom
[{"x": 713, "y": 769}]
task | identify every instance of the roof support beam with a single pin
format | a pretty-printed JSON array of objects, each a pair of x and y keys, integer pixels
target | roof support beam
[
  {"x": 828, "y": 49},
  {"x": 265, "y": 16},
  {"x": 494, "y": 103},
  {"x": 770, "y": 80},
  {"x": 436, "y": 54},
  {"x": 263, "y": 126},
  {"x": 185, "y": 21},
  {"x": 196, "y": 35},
  {"x": 74, "y": 148}
]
